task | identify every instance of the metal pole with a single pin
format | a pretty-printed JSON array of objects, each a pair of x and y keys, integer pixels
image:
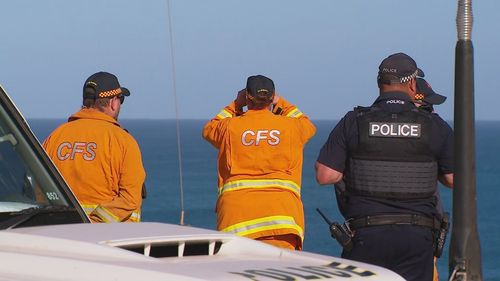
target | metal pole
[
  {"x": 465, "y": 250},
  {"x": 177, "y": 122}
]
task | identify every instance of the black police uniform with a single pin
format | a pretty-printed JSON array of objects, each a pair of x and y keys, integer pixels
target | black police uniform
[{"x": 391, "y": 154}]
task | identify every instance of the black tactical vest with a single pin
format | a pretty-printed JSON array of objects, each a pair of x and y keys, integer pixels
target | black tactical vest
[{"x": 393, "y": 158}]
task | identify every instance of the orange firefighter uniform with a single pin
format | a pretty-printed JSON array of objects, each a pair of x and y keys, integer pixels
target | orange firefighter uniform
[
  {"x": 102, "y": 164},
  {"x": 435, "y": 275},
  {"x": 259, "y": 170}
]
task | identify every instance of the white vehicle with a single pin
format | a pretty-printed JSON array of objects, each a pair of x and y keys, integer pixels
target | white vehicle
[{"x": 45, "y": 234}]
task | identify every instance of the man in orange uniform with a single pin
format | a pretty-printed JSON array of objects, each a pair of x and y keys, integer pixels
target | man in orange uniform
[
  {"x": 260, "y": 165},
  {"x": 99, "y": 160}
]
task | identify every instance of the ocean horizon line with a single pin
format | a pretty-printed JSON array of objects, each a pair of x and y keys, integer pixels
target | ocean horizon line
[{"x": 201, "y": 119}]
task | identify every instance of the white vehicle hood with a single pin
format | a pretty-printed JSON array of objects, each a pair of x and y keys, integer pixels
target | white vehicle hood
[{"x": 157, "y": 251}]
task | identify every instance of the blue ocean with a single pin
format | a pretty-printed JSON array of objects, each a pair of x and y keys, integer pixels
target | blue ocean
[{"x": 166, "y": 199}]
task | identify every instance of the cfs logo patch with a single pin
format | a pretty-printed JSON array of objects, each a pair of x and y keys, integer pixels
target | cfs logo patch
[
  {"x": 250, "y": 137},
  {"x": 67, "y": 150}
]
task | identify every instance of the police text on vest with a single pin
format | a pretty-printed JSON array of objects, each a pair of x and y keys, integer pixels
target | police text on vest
[{"x": 394, "y": 130}]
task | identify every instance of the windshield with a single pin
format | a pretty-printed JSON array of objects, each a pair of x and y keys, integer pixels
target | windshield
[{"x": 28, "y": 180}]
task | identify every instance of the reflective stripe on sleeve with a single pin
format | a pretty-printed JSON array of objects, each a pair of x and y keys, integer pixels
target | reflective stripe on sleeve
[
  {"x": 294, "y": 113},
  {"x": 88, "y": 208},
  {"x": 264, "y": 223},
  {"x": 105, "y": 215},
  {"x": 135, "y": 216},
  {"x": 261, "y": 183},
  {"x": 224, "y": 114}
]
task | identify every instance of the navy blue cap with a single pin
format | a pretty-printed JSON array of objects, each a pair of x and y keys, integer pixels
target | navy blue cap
[
  {"x": 260, "y": 85},
  {"x": 426, "y": 94},
  {"x": 103, "y": 85},
  {"x": 397, "y": 69}
]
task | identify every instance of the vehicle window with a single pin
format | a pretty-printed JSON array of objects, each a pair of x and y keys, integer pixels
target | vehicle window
[
  {"x": 32, "y": 193},
  {"x": 15, "y": 183},
  {"x": 20, "y": 186}
]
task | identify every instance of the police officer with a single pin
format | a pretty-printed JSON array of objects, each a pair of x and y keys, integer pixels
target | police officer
[
  {"x": 425, "y": 99},
  {"x": 385, "y": 161}
]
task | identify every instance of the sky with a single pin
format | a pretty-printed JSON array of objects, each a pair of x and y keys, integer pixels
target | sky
[{"x": 322, "y": 55}]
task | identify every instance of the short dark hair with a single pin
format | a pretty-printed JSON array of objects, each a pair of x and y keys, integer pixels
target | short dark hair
[
  {"x": 98, "y": 104},
  {"x": 260, "y": 101}
]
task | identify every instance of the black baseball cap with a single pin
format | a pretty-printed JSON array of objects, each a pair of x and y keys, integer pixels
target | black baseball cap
[
  {"x": 260, "y": 85},
  {"x": 397, "y": 69},
  {"x": 103, "y": 85},
  {"x": 426, "y": 94}
]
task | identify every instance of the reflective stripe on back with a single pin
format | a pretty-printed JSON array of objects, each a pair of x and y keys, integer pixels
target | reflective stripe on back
[
  {"x": 261, "y": 183},
  {"x": 264, "y": 223}
]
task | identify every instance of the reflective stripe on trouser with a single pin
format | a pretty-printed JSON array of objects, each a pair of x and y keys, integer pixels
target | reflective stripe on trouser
[
  {"x": 294, "y": 113},
  {"x": 106, "y": 215},
  {"x": 261, "y": 183},
  {"x": 265, "y": 223}
]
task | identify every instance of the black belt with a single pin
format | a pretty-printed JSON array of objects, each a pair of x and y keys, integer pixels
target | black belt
[{"x": 431, "y": 223}]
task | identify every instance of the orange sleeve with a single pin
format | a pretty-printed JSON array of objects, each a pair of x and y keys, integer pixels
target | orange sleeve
[
  {"x": 284, "y": 108},
  {"x": 214, "y": 129}
]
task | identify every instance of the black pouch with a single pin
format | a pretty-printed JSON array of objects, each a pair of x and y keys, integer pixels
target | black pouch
[
  {"x": 441, "y": 235},
  {"x": 144, "y": 191},
  {"x": 341, "y": 196}
]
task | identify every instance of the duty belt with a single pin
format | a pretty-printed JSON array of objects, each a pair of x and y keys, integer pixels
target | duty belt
[{"x": 431, "y": 223}]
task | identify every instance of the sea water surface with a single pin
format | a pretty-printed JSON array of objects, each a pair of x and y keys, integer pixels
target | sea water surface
[{"x": 158, "y": 142}]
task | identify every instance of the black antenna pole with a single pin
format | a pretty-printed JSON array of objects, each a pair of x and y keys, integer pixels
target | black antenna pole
[{"x": 465, "y": 250}]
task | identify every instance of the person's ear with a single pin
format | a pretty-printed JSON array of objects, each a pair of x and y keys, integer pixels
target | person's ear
[
  {"x": 412, "y": 88},
  {"x": 114, "y": 103},
  {"x": 249, "y": 97}
]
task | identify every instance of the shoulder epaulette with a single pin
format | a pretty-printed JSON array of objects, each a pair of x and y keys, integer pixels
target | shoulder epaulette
[
  {"x": 426, "y": 107},
  {"x": 360, "y": 110},
  {"x": 424, "y": 110}
]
